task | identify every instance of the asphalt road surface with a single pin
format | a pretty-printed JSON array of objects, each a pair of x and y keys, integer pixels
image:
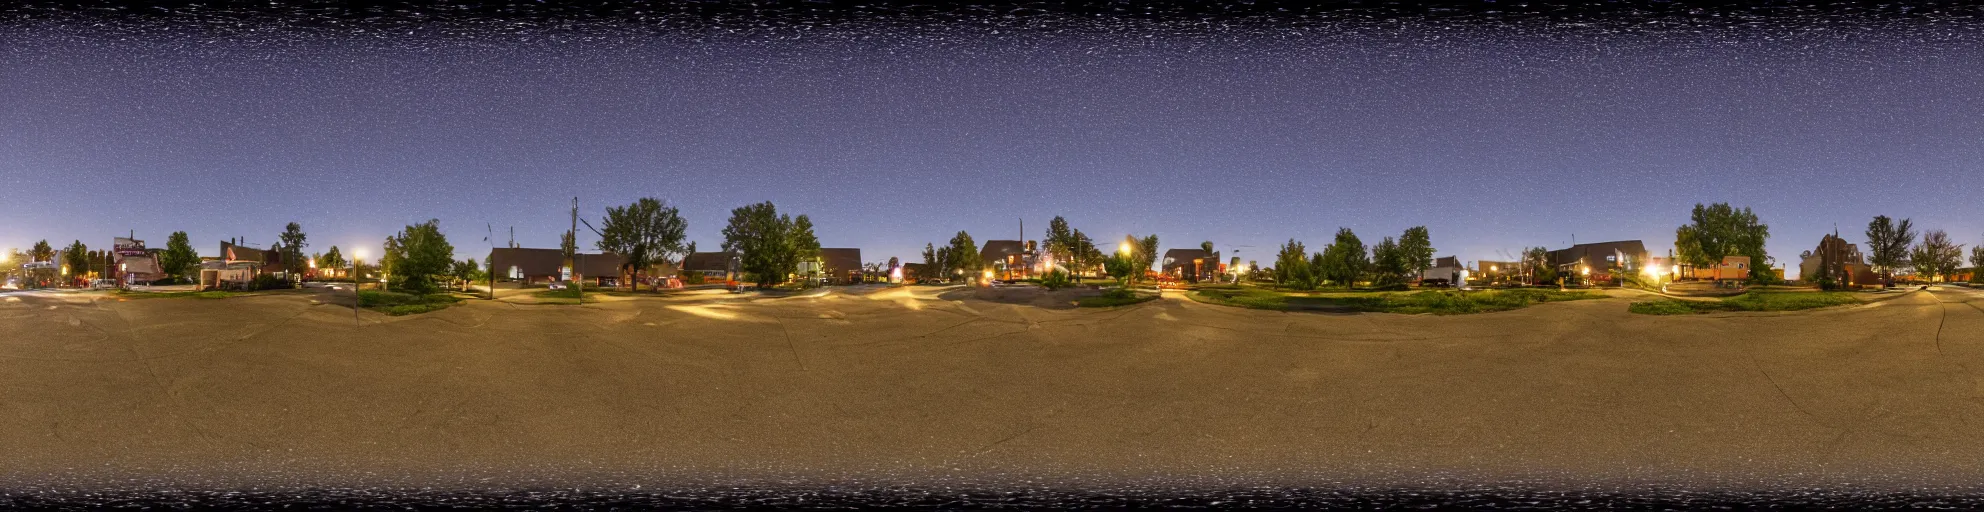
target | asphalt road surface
[{"x": 909, "y": 387}]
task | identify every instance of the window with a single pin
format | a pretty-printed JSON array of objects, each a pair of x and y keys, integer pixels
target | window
[
  {"x": 1611, "y": 258},
  {"x": 516, "y": 273}
]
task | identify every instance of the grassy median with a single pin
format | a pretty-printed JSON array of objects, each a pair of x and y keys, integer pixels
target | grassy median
[
  {"x": 1113, "y": 298},
  {"x": 1438, "y": 302},
  {"x": 1752, "y": 301},
  {"x": 399, "y": 304}
]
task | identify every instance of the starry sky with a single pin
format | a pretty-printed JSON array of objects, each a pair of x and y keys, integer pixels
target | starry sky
[{"x": 1495, "y": 135}]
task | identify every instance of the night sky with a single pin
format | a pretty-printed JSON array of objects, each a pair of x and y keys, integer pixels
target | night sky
[{"x": 1496, "y": 134}]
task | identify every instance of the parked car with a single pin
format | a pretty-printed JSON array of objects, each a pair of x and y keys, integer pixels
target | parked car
[
  {"x": 103, "y": 284},
  {"x": 560, "y": 285}
]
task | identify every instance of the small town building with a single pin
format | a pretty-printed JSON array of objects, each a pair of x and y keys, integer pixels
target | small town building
[
  {"x": 1008, "y": 259},
  {"x": 1497, "y": 271},
  {"x": 531, "y": 266},
  {"x": 1191, "y": 265},
  {"x": 1732, "y": 267},
  {"x": 841, "y": 265},
  {"x": 917, "y": 272},
  {"x": 1603, "y": 260},
  {"x": 1446, "y": 270},
  {"x": 714, "y": 267},
  {"x": 1838, "y": 259}
]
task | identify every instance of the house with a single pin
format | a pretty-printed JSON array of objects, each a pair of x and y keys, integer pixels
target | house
[
  {"x": 1841, "y": 260},
  {"x": 1602, "y": 260},
  {"x": 1446, "y": 270},
  {"x": 1008, "y": 259},
  {"x": 918, "y": 272},
  {"x": 1191, "y": 265},
  {"x": 1732, "y": 267},
  {"x": 221, "y": 274},
  {"x": 265, "y": 261},
  {"x": 544, "y": 266},
  {"x": 713, "y": 266},
  {"x": 841, "y": 265},
  {"x": 1497, "y": 271}
]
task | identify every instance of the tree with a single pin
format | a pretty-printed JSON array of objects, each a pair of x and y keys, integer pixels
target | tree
[
  {"x": 1936, "y": 255},
  {"x": 568, "y": 246},
  {"x": 803, "y": 241},
  {"x": 416, "y": 255},
  {"x": 1388, "y": 262},
  {"x": 179, "y": 259},
  {"x": 1060, "y": 241},
  {"x": 691, "y": 249},
  {"x": 1292, "y": 268},
  {"x": 1207, "y": 247},
  {"x": 465, "y": 272},
  {"x": 642, "y": 234},
  {"x": 1124, "y": 266},
  {"x": 1416, "y": 249},
  {"x": 963, "y": 256},
  {"x": 763, "y": 240},
  {"x": 77, "y": 258},
  {"x": 943, "y": 263},
  {"x": 1085, "y": 254},
  {"x": 1977, "y": 263},
  {"x": 42, "y": 251},
  {"x": 332, "y": 259},
  {"x": 1537, "y": 261},
  {"x": 293, "y": 242},
  {"x": 1146, "y": 253},
  {"x": 930, "y": 256},
  {"x": 1887, "y": 245},
  {"x": 1345, "y": 259},
  {"x": 1719, "y": 231}
]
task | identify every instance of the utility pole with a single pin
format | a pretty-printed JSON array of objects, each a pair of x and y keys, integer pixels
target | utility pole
[{"x": 578, "y": 280}]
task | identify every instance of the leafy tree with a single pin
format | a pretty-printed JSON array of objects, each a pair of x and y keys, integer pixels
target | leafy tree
[
  {"x": 568, "y": 246},
  {"x": 1060, "y": 241},
  {"x": 1388, "y": 262},
  {"x": 293, "y": 242},
  {"x": 1718, "y": 231},
  {"x": 930, "y": 257},
  {"x": 42, "y": 251},
  {"x": 963, "y": 256},
  {"x": 179, "y": 259},
  {"x": 1345, "y": 259},
  {"x": 1977, "y": 263},
  {"x": 1207, "y": 247},
  {"x": 1936, "y": 255},
  {"x": 1887, "y": 245},
  {"x": 691, "y": 249},
  {"x": 1085, "y": 254},
  {"x": 1146, "y": 253},
  {"x": 1124, "y": 267},
  {"x": 1416, "y": 249},
  {"x": 943, "y": 263},
  {"x": 642, "y": 234},
  {"x": 763, "y": 239},
  {"x": 416, "y": 255},
  {"x": 803, "y": 240},
  {"x": 893, "y": 263},
  {"x": 1537, "y": 259},
  {"x": 77, "y": 257},
  {"x": 332, "y": 259},
  {"x": 1292, "y": 268},
  {"x": 465, "y": 272}
]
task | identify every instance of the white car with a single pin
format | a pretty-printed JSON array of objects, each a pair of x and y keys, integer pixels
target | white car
[{"x": 103, "y": 284}]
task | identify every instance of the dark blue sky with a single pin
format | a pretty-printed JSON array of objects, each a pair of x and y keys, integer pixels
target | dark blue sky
[{"x": 1494, "y": 138}]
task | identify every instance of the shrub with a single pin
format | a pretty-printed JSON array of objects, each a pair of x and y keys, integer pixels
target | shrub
[
  {"x": 269, "y": 282},
  {"x": 398, "y": 304},
  {"x": 1056, "y": 279},
  {"x": 692, "y": 278}
]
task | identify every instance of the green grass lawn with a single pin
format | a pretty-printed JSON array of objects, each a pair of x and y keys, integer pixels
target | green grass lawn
[
  {"x": 1752, "y": 301},
  {"x": 1113, "y": 298},
  {"x": 1440, "y": 302},
  {"x": 399, "y": 304}
]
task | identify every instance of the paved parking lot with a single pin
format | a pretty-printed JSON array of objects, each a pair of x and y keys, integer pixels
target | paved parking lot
[{"x": 909, "y": 386}]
